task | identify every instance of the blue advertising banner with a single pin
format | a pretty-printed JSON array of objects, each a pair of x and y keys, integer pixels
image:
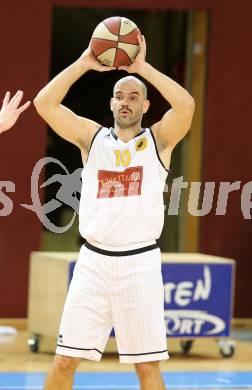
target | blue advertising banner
[{"x": 198, "y": 299}]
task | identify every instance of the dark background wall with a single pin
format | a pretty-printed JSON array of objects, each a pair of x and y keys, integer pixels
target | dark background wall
[{"x": 25, "y": 46}]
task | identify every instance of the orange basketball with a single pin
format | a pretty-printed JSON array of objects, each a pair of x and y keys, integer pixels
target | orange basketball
[{"x": 114, "y": 41}]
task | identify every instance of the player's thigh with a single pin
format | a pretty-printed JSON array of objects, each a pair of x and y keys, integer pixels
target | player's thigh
[
  {"x": 89, "y": 289},
  {"x": 86, "y": 321},
  {"x": 140, "y": 287},
  {"x": 138, "y": 311}
]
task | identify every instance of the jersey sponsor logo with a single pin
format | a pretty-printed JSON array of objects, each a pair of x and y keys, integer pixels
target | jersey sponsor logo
[
  {"x": 117, "y": 184},
  {"x": 141, "y": 144}
]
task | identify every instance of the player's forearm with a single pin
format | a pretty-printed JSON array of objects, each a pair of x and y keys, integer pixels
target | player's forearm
[
  {"x": 176, "y": 95},
  {"x": 55, "y": 91}
]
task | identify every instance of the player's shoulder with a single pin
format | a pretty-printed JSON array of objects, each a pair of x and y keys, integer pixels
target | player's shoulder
[
  {"x": 102, "y": 132},
  {"x": 148, "y": 132}
]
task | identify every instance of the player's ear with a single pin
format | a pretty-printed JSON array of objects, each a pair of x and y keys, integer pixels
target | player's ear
[
  {"x": 111, "y": 104},
  {"x": 146, "y": 106}
]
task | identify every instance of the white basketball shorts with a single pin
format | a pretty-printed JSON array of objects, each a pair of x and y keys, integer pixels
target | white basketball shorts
[{"x": 124, "y": 292}]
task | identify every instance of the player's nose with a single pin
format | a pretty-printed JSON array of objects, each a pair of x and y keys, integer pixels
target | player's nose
[{"x": 124, "y": 107}]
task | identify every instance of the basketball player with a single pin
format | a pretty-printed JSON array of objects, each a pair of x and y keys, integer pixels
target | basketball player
[
  {"x": 117, "y": 279},
  {"x": 10, "y": 111}
]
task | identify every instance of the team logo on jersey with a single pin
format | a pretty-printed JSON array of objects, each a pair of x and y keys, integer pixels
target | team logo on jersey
[
  {"x": 141, "y": 144},
  {"x": 117, "y": 184}
]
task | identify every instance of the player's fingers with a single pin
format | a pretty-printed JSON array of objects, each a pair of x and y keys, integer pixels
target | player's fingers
[
  {"x": 144, "y": 43},
  {"x": 139, "y": 38},
  {"x": 87, "y": 51},
  {"x": 16, "y": 99},
  {"x": 16, "y": 95},
  {"x": 123, "y": 67},
  {"x": 6, "y": 99},
  {"x": 23, "y": 107}
]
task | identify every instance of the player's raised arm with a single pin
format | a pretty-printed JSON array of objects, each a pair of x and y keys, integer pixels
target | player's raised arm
[
  {"x": 10, "y": 110},
  {"x": 63, "y": 121},
  {"x": 176, "y": 122}
]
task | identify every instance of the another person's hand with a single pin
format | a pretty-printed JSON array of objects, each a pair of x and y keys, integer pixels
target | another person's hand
[
  {"x": 10, "y": 111},
  {"x": 136, "y": 65},
  {"x": 88, "y": 58}
]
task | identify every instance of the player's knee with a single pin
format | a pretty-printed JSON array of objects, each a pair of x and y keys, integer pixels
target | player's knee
[
  {"x": 147, "y": 368},
  {"x": 65, "y": 365}
]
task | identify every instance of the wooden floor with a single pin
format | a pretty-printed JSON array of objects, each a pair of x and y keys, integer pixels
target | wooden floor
[{"x": 204, "y": 356}]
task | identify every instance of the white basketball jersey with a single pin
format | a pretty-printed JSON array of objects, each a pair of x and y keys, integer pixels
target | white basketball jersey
[{"x": 121, "y": 204}]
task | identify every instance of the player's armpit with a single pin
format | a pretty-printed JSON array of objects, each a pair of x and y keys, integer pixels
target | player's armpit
[
  {"x": 173, "y": 126},
  {"x": 68, "y": 125}
]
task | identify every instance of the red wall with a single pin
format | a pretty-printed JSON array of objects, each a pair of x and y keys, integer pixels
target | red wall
[
  {"x": 25, "y": 44},
  {"x": 228, "y": 139}
]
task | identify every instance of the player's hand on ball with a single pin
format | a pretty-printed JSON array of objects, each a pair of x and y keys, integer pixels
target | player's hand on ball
[
  {"x": 140, "y": 58},
  {"x": 88, "y": 59},
  {"x": 10, "y": 111}
]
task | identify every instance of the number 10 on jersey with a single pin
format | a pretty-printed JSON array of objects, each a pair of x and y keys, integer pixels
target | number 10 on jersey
[{"x": 123, "y": 158}]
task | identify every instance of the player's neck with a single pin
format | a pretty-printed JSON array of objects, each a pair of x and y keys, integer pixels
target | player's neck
[{"x": 126, "y": 134}]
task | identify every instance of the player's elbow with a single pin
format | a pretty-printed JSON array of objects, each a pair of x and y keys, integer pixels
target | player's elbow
[
  {"x": 189, "y": 105},
  {"x": 40, "y": 103},
  {"x": 185, "y": 106},
  {"x": 188, "y": 109}
]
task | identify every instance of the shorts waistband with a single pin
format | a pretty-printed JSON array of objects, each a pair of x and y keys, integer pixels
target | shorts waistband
[{"x": 120, "y": 253}]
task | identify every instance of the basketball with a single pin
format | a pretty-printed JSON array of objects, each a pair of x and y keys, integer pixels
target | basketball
[{"x": 114, "y": 41}]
